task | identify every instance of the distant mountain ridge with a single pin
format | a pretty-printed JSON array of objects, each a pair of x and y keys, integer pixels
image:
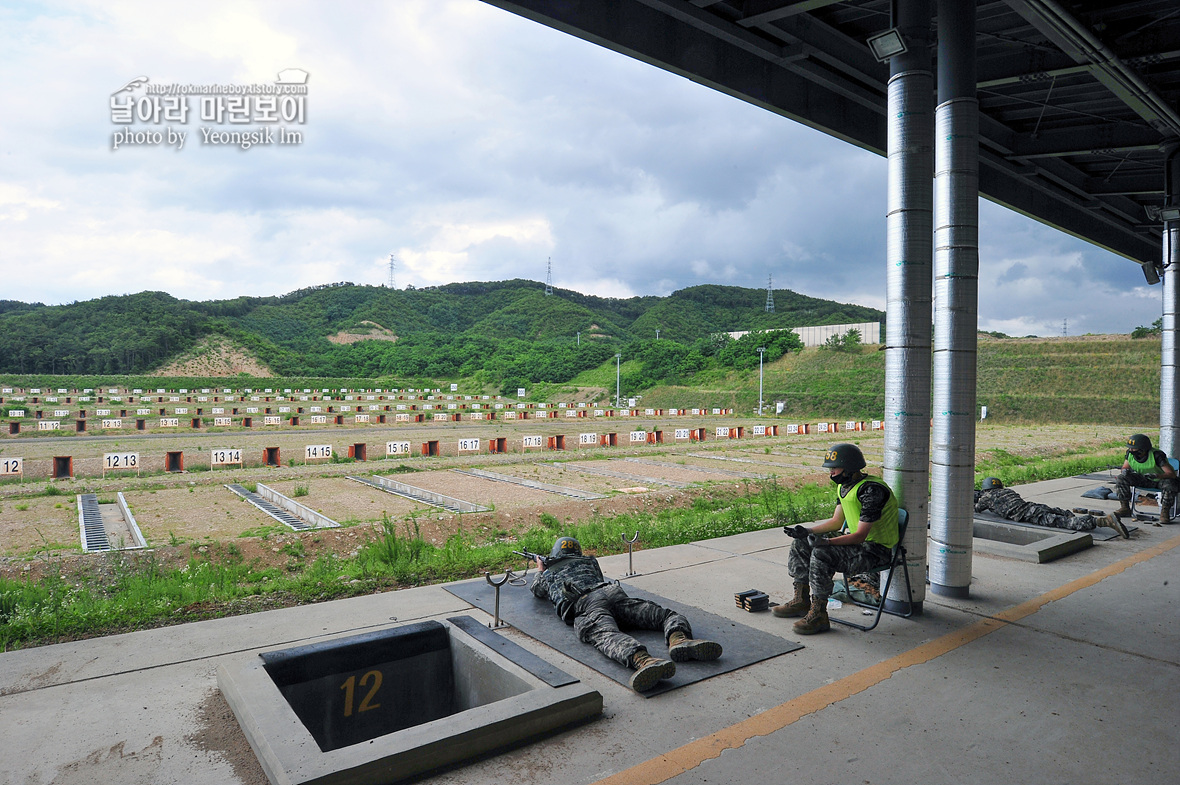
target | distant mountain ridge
[{"x": 137, "y": 333}]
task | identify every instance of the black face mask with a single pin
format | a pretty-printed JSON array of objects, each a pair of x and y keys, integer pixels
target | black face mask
[
  {"x": 837, "y": 478},
  {"x": 1139, "y": 455}
]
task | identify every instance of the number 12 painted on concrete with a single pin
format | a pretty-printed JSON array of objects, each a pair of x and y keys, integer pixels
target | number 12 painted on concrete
[{"x": 349, "y": 687}]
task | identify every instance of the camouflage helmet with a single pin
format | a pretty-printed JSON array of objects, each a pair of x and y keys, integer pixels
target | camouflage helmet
[
  {"x": 1139, "y": 443},
  {"x": 844, "y": 456},
  {"x": 565, "y": 546},
  {"x": 992, "y": 483}
]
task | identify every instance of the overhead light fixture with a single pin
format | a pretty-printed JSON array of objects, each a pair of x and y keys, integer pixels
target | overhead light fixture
[
  {"x": 887, "y": 44},
  {"x": 1165, "y": 214}
]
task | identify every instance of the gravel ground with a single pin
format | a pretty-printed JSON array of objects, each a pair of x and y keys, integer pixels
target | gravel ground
[
  {"x": 195, "y": 513},
  {"x": 560, "y": 475}
]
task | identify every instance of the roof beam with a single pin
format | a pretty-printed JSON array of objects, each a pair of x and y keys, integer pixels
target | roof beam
[
  {"x": 702, "y": 47},
  {"x": 707, "y": 48},
  {"x": 1106, "y": 138},
  {"x": 759, "y": 12},
  {"x": 1059, "y": 26}
]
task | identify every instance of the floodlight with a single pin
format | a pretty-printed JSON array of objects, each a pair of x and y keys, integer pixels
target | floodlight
[
  {"x": 1165, "y": 214},
  {"x": 1150, "y": 273},
  {"x": 887, "y": 44}
]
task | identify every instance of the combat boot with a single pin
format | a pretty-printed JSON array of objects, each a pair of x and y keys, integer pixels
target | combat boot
[
  {"x": 1166, "y": 504},
  {"x": 1112, "y": 521},
  {"x": 649, "y": 670},
  {"x": 798, "y": 606},
  {"x": 682, "y": 648},
  {"x": 1124, "y": 510},
  {"x": 816, "y": 619}
]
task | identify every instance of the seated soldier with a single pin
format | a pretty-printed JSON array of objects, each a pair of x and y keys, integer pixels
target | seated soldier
[
  {"x": 1146, "y": 468},
  {"x": 597, "y": 608},
  {"x": 1007, "y": 503},
  {"x": 870, "y": 508}
]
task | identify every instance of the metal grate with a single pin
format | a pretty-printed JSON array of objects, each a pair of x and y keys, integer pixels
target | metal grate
[{"x": 94, "y": 533}]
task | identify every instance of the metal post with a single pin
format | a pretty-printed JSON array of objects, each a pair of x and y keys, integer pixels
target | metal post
[
  {"x": 910, "y": 124},
  {"x": 630, "y": 544},
  {"x": 956, "y": 298},
  {"x": 1169, "y": 440},
  {"x": 487, "y": 576},
  {"x": 761, "y": 352},
  {"x": 618, "y": 400}
]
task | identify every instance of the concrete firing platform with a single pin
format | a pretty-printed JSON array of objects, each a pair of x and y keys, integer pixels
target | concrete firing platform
[
  {"x": 1066, "y": 671},
  {"x": 1027, "y": 543}
]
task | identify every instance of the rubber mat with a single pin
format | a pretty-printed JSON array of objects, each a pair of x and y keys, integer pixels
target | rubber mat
[{"x": 536, "y": 618}]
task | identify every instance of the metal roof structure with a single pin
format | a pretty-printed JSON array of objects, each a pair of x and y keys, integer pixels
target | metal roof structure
[{"x": 1078, "y": 99}]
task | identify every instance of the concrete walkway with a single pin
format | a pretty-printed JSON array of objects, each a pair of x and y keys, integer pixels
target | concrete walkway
[{"x": 1065, "y": 672}]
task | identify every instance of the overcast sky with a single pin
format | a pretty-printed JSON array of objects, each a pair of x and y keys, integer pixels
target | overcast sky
[{"x": 471, "y": 143}]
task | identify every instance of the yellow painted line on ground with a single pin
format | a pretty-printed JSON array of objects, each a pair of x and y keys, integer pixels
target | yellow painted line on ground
[{"x": 693, "y": 754}]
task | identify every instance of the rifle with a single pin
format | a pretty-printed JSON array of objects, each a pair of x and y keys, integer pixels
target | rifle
[{"x": 532, "y": 557}]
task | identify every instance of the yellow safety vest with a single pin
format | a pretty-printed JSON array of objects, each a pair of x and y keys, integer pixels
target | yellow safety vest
[{"x": 884, "y": 531}]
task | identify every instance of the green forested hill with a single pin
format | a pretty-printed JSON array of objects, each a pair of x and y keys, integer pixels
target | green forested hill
[{"x": 509, "y": 330}]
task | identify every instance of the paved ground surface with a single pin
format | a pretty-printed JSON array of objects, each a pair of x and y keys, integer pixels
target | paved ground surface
[{"x": 1066, "y": 672}]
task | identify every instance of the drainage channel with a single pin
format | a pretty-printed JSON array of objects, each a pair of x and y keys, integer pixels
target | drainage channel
[
  {"x": 94, "y": 534},
  {"x": 704, "y": 469},
  {"x": 279, "y": 514},
  {"x": 108, "y": 526},
  {"x": 623, "y": 476},
  {"x": 421, "y": 495},
  {"x": 540, "y": 486}
]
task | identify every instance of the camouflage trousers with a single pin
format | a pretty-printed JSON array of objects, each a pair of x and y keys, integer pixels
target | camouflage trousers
[
  {"x": 1167, "y": 486},
  {"x": 602, "y": 614},
  {"x": 1043, "y": 515},
  {"x": 818, "y": 565}
]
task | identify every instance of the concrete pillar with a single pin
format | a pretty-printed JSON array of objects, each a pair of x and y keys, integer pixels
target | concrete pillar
[
  {"x": 910, "y": 121},
  {"x": 1169, "y": 440},
  {"x": 956, "y": 301}
]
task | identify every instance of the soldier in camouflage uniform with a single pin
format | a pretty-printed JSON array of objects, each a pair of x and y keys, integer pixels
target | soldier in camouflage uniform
[
  {"x": 597, "y": 608},
  {"x": 1145, "y": 467},
  {"x": 1008, "y": 504},
  {"x": 870, "y": 508}
]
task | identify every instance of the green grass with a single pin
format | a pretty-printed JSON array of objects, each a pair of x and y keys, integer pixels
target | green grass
[
  {"x": 1019, "y": 380},
  {"x": 604, "y": 376},
  {"x": 1017, "y": 470}
]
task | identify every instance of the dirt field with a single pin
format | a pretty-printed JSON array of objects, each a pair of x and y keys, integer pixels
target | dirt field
[{"x": 181, "y": 512}]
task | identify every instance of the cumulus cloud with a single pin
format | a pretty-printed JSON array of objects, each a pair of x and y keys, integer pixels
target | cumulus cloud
[{"x": 471, "y": 143}]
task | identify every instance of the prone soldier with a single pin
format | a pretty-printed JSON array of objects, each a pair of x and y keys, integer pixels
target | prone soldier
[
  {"x": 598, "y": 608},
  {"x": 1008, "y": 504}
]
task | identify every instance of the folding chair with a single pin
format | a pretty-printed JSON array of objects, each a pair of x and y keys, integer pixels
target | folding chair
[
  {"x": 897, "y": 558},
  {"x": 1138, "y": 512}
]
